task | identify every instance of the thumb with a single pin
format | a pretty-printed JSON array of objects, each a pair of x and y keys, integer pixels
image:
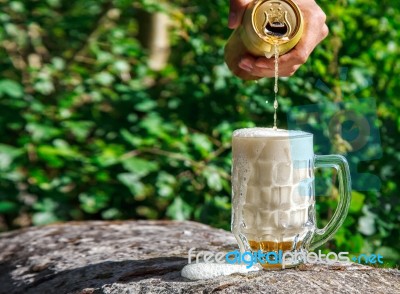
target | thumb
[{"x": 236, "y": 11}]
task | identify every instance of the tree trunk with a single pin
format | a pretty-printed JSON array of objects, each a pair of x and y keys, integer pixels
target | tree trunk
[{"x": 154, "y": 36}]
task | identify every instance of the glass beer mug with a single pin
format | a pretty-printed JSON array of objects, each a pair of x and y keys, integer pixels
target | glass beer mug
[{"x": 273, "y": 194}]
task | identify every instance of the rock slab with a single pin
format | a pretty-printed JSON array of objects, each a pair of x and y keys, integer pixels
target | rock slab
[{"x": 147, "y": 257}]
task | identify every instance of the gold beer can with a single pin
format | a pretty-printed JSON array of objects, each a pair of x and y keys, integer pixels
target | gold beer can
[{"x": 265, "y": 23}]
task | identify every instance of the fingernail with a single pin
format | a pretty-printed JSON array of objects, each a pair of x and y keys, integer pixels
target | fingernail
[
  {"x": 232, "y": 20},
  {"x": 245, "y": 63},
  {"x": 245, "y": 68}
]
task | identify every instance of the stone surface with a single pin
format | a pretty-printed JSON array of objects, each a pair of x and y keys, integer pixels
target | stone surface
[{"x": 147, "y": 257}]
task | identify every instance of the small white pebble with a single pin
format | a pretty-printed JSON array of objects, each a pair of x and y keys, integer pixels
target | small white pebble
[{"x": 187, "y": 233}]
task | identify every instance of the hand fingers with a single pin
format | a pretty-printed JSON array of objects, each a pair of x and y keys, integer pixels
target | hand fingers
[
  {"x": 287, "y": 62},
  {"x": 263, "y": 62},
  {"x": 236, "y": 11},
  {"x": 251, "y": 65},
  {"x": 270, "y": 73},
  {"x": 308, "y": 42},
  {"x": 247, "y": 62}
]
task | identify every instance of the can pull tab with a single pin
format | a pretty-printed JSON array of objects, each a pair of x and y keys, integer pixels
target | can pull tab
[{"x": 276, "y": 23}]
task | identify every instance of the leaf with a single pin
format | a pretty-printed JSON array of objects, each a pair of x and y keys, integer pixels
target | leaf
[
  {"x": 146, "y": 106},
  {"x": 165, "y": 184},
  {"x": 7, "y": 155},
  {"x": 132, "y": 182},
  {"x": 214, "y": 180},
  {"x": 46, "y": 204},
  {"x": 44, "y": 87},
  {"x": 152, "y": 123},
  {"x": 8, "y": 207},
  {"x": 202, "y": 144},
  {"x": 110, "y": 154},
  {"x": 44, "y": 218},
  {"x": 80, "y": 129},
  {"x": 357, "y": 201},
  {"x": 366, "y": 225},
  {"x": 121, "y": 66},
  {"x": 93, "y": 203},
  {"x": 111, "y": 213},
  {"x": 179, "y": 210},
  {"x": 139, "y": 167},
  {"x": 130, "y": 138},
  {"x": 41, "y": 132},
  {"x": 11, "y": 88},
  {"x": 49, "y": 151},
  {"x": 340, "y": 236},
  {"x": 104, "y": 78},
  {"x": 17, "y": 6},
  {"x": 356, "y": 241}
]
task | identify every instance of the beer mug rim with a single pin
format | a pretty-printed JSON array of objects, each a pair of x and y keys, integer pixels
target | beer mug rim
[{"x": 270, "y": 134}]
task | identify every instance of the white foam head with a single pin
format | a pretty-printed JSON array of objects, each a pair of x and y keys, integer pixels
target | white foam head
[
  {"x": 280, "y": 144},
  {"x": 268, "y": 133}
]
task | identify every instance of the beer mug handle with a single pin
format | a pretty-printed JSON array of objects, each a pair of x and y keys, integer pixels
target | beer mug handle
[{"x": 340, "y": 164}]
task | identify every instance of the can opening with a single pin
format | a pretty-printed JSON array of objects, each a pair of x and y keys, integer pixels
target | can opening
[{"x": 277, "y": 29}]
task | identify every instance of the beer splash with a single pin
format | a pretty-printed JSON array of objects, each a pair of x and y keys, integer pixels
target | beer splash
[{"x": 209, "y": 270}]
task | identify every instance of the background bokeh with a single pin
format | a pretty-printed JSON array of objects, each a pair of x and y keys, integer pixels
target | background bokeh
[{"x": 121, "y": 109}]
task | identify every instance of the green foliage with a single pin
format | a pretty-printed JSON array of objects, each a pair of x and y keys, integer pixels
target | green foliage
[{"x": 89, "y": 131}]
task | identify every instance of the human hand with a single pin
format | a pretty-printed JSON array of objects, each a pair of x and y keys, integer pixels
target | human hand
[
  {"x": 315, "y": 30},
  {"x": 236, "y": 11}
]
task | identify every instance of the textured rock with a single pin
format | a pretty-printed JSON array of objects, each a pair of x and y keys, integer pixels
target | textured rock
[{"x": 147, "y": 256}]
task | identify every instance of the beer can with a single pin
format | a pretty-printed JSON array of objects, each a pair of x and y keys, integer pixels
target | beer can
[{"x": 264, "y": 24}]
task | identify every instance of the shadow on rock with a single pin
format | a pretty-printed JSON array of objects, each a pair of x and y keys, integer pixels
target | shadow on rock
[{"x": 89, "y": 278}]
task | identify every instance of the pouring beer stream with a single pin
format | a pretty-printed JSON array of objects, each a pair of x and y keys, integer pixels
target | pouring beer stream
[{"x": 269, "y": 28}]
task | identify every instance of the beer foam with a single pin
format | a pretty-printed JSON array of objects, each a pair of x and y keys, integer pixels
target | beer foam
[
  {"x": 203, "y": 271},
  {"x": 268, "y": 132}
]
